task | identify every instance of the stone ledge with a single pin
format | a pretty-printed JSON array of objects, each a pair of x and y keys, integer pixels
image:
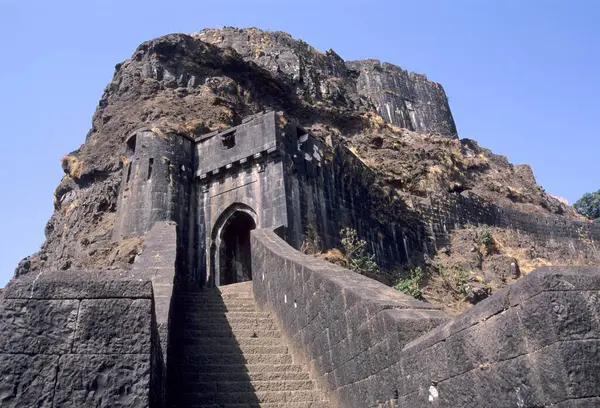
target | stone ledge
[{"x": 77, "y": 285}]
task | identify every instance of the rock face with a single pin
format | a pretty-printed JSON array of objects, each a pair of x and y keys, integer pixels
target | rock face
[
  {"x": 211, "y": 80},
  {"x": 404, "y": 99}
]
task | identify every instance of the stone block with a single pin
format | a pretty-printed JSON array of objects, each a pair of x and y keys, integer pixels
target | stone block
[
  {"x": 66, "y": 285},
  {"x": 103, "y": 381},
  {"x": 114, "y": 326},
  {"x": 27, "y": 380},
  {"x": 37, "y": 326}
]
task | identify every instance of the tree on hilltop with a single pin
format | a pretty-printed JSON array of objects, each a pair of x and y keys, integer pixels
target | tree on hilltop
[{"x": 589, "y": 205}]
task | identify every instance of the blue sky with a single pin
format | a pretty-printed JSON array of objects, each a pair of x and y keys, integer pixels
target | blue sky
[{"x": 522, "y": 76}]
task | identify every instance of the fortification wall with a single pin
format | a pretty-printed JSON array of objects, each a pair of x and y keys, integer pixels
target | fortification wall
[
  {"x": 445, "y": 213},
  {"x": 245, "y": 174},
  {"x": 329, "y": 189},
  {"x": 74, "y": 341},
  {"x": 531, "y": 344},
  {"x": 156, "y": 183}
]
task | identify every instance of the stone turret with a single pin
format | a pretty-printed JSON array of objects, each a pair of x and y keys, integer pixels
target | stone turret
[{"x": 156, "y": 181}]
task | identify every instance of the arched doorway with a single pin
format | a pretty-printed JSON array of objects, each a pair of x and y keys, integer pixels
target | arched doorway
[
  {"x": 230, "y": 256},
  {"x": 235, "y": 261}
]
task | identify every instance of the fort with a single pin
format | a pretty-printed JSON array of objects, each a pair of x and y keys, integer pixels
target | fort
[{"x": 223, "y": 309}]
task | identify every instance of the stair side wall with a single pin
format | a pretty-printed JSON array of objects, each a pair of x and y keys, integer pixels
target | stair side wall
[
  {"x": 534, "y": 343},
  {"x": 70, "y": 341}
]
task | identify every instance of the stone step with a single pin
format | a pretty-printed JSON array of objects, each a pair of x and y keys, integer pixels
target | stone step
[
  {"x": 219, "y": 309},
  {"x": 244, "y": 376},
  {"x": 194, "y": 350},
  {"x": 235, "y": 325},
  {"x": 252, "y": 397},
  {"x": 205, "y": 359},
  {"x": 231, "y": 355},
  {"x": 214, "y": 296},
  {"x": 237, "y": 287},
  {"x": 212, "y": 302},
  {"x": 228, "y": 333},
  {"x": 254, "y": 386},
  {"x": 222, "y": 315},
  {"x": 228, "y": 341},
  {"x": 233, "y": 317},
  {"x": 305, "y": 404},
  {"x": 242, "y": 368}
]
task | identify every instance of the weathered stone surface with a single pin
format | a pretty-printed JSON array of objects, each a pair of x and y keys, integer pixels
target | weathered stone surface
[
  {"x": 405, "y": 99},
  {"x": 531, "y": 344},
  {"x": 27, "y": 380},
  {"x": 113, "y": 326},
  {"x": 82, "y": 285},
  {"x": 196, "y": 154},
  {"x": 100, "y": 348},
  {"x": 103, "y": 381},
  {"x": 37, "y": 326}
]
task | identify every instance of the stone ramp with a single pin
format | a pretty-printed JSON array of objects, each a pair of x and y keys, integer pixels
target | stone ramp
[{"x": 229, "y": 355}]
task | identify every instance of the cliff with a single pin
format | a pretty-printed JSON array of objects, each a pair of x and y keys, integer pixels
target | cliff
[{"x": 398, "y": 123}]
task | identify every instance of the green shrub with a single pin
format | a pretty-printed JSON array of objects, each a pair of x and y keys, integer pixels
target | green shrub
[
  {"x": 462, "y": 282},
  {"x": 359, "y": 259},
  {"x": 411, "y": 285},
  {"x": 589, "y": 205},
  {"x": 484, "y": 237}
]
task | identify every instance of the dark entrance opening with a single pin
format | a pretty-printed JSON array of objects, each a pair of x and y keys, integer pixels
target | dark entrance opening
[{"x": 234, "y": 252}]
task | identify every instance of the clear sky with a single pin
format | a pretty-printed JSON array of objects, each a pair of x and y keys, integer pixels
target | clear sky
[{"x": 523, "y": 78}]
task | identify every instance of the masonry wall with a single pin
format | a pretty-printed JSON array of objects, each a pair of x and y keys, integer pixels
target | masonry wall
[
  {"x": 532, "y": 344},
  {"x": 247, "y": 176},
  {"x": 69, "y": 341},
  {"x": 156, "y": 185},
  {"x": 445, "y": 213},
  {"x": 158, "y": 264},
  {"x": 328, "y": 189}
]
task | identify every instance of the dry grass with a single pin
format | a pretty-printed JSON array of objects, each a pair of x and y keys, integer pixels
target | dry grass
[
  {"x": 72, "y": 205},
  {"x": 354, "y": 151},
  {"x": 334, "y": 256},
  {"x": 525, "y": 261},
  {"x": 72, "y": 166}
]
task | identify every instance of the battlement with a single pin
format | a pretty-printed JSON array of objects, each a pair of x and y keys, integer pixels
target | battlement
[{"x": 253, "y": 139}]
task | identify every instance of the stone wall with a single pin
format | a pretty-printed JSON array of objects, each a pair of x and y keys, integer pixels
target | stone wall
[
  {"x": 532, "y": 344},
  {"x": 76, "y": 341},
  {"x": 339, "y": 323},
  {"x": 445, "y": 213},
  {"x": 245, "y": 175},
  {"x": 328, "y": 189},
  {"x": 156, "y": 182},
  {"x": 158, "y": 264}
]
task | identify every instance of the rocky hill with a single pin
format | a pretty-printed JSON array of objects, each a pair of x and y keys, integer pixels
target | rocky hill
[{"x": 398, "y": 123}]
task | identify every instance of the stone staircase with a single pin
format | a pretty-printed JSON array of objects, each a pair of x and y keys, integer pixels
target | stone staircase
[{"x": 229, "y": 355}]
